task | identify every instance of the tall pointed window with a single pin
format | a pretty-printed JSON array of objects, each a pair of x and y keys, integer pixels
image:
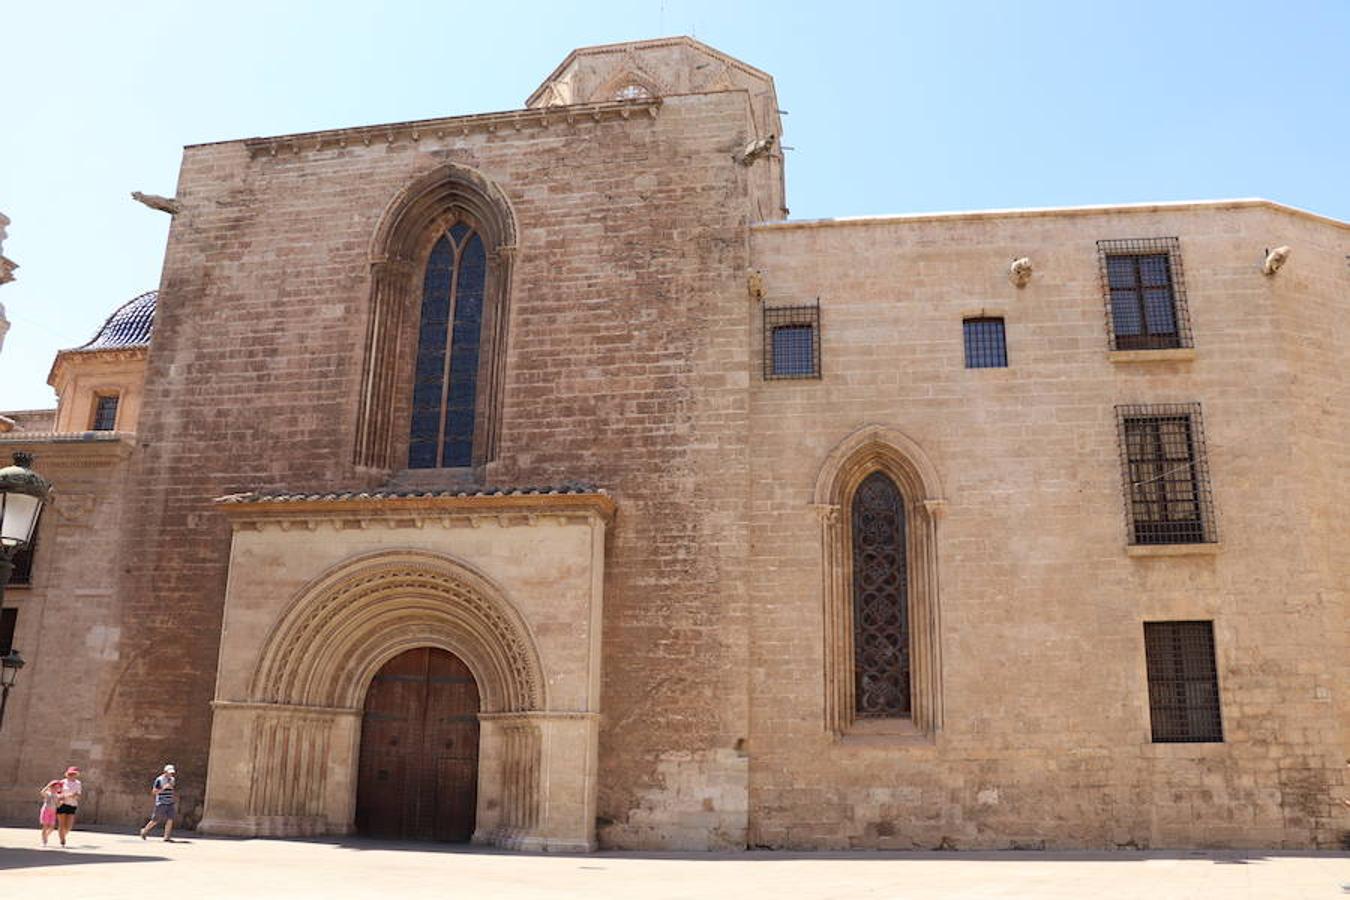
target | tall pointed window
[
  {"x": 880, "y": 601},
  {"x": 445, "y": 386}
]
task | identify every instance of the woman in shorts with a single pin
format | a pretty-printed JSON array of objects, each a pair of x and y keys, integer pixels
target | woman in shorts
[{"x": 68, "y": 796}]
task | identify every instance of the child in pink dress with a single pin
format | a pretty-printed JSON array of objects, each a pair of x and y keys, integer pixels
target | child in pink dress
[{"x": 50, "y": 792}]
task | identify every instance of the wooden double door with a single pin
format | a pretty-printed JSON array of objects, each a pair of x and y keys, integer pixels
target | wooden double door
[{"x": 418, "y": 775}]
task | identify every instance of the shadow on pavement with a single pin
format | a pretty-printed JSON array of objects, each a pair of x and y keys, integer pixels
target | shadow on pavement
[
  {"x": 70, "y": 856},
  {"x": 1216, "y": 857}
]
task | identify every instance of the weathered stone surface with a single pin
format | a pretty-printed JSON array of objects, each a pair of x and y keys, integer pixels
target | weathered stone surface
[{"x": 633, "y": 362}]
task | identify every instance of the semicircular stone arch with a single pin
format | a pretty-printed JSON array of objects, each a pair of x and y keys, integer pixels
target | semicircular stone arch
[
  {"x": 869, "y": 450},
  {"x": 343, "y": 626}
]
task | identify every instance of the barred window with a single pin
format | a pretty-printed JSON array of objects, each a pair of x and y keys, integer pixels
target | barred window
[
  {"x": 1145, "y": 293},
  {"x": 9, "y": 621},
  {"x": 1167, "y": 492},
  {"x": 986, "y": 346},
  {"x": 1183, "y": 682},
  {"x": 105, "y": 413},
  {"x": 792, "y": 341}
]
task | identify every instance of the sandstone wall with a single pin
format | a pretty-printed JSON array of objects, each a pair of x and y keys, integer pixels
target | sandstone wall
[
  {"x": 627, "y": 368},
  {"x": 1046, "y": 738},
  {"x": 69, "y": 627}
]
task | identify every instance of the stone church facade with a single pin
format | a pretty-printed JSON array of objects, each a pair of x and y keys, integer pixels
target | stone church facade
[{"x": 529, "y": 478}]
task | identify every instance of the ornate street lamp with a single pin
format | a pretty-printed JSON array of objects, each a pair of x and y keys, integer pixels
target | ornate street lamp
[{"x": 22, "y": 493}]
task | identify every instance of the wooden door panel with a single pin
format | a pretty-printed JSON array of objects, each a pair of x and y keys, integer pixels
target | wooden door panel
[{"x": 418, "y": 770}]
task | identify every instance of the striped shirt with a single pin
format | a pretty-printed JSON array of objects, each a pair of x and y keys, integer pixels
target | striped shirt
[{"x": 164, "y": 784}]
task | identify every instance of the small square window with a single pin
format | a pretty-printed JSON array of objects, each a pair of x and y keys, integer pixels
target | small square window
[
  {"x": 1183, "y": 682},
  {"x": 1145, "y": 294},
  {"x": 792, "y": 341},
  {"x": 986, "y": 345},
  {"x": 105, "y": 413}
]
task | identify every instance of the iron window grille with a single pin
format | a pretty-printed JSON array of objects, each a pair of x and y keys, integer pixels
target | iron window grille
[
  {"x": 986, "y": 343},
  {"x": 1145, "y": 293},
  {"x": 1167, "y": 492},
  {"x": 1183, "y": 682},
  {"x": 105, "y": 413},
  {"x": 792, "y": 341},
  {"x": 9, "y": 621}
]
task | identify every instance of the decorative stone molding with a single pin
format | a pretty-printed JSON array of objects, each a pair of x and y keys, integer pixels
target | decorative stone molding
[
  {"x": 1275, "y": 260},
  {"x": 754, "y": 284},
  {"x": 367, "y": 511},
  {"x": 452, "y": 127},
  {"x": 1019, "y": 271},
  {"x": 170, "y": 205},
  {"x": 340, "y": 629},
  {"x": 67, "y": 358},
  {"x": 875, "y": 448}
]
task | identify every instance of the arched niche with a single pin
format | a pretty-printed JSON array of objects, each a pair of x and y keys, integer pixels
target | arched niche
[{"x": 872, "y": 449}]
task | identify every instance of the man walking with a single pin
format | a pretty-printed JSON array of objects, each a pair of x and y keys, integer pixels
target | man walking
[{"x": 166, "y": 807}]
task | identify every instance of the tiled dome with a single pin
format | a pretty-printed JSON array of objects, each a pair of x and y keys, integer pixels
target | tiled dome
[{"x": 129, "y": 326}]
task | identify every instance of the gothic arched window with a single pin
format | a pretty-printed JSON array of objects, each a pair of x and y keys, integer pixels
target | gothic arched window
[
  {"x": 880, "y": 601},
  {"x": 445, "y": 385}
]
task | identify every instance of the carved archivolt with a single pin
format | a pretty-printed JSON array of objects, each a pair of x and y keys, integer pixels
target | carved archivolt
[
  {"x": 872, "y": 449},
  {"x": 342, "y": 627}
]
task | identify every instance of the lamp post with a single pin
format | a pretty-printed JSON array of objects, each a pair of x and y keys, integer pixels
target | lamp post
[{"x": 22, "y": 493}]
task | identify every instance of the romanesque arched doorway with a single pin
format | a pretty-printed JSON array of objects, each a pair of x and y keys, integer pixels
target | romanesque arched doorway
[{"x": 417, "y": 778}]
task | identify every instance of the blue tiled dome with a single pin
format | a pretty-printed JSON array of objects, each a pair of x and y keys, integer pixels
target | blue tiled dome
[{"x": 129, "y": 326}]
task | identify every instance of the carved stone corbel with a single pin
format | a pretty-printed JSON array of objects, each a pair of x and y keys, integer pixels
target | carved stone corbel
[{"x": 169, "y": 205}]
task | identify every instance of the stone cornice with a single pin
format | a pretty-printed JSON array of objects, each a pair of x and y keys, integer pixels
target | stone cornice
[
  {"x": 113, "y": 354},
  {"x": 454, "y": 126},
  {"x": 1048, "y": 212},
  {"x": 415, "y": 511},
  {"x": 70, "y": 450}
]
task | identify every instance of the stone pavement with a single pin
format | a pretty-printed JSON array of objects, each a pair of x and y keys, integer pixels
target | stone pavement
[{"x": 103, "y": 864}]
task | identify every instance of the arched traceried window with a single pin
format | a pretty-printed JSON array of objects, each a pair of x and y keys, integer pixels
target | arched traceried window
[
  {"x": 445, "y": 386},
  {"x": 879, "y": 498},
  {"x": 440, "y": 289},
  {"x": 881, "y": 656}
]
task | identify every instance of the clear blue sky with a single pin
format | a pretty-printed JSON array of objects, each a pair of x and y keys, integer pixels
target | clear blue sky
[{"x": 893, "y": 107}]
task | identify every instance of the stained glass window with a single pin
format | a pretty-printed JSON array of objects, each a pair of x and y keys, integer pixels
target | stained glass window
[
  {"x": 445, "y": 383},
  {"x": 880, "y": 601}
]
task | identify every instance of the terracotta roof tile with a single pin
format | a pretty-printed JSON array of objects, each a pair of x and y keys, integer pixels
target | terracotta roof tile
[{"x": 402, "y": 493}]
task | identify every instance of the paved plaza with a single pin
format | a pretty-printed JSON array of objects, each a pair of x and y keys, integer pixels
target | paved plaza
[{"x": 100, "y": 864}]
